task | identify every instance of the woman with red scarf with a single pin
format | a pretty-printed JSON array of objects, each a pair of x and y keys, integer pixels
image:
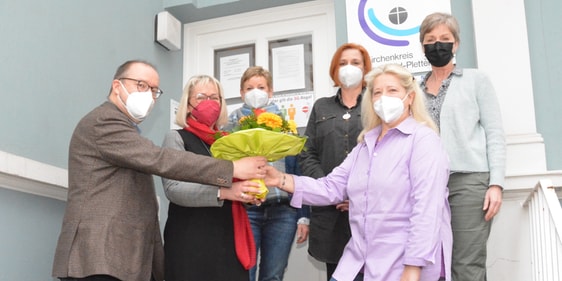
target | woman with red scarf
[{"x": 207, "y": 234}]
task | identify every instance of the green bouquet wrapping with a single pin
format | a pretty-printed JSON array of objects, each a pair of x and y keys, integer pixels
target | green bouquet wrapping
[
  {"x": 257, "y": 142},
  {"x": 268, "y": 137}
]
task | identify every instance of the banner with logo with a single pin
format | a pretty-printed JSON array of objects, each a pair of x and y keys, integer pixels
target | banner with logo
[{"x": 389, "y": 30}]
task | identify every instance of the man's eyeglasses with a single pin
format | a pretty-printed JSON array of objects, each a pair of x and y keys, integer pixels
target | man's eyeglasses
[
  {"x": 143, "y": 87},
  {"x": 202, "y": 97}
]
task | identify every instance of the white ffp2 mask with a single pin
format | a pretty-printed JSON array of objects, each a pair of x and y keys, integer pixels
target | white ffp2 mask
[
  {"x": 389, "y": 109},
  {"x": 139, "y": 104},
  {"x": 350, "y": 76},
  {"x": 256, "y": 98}
]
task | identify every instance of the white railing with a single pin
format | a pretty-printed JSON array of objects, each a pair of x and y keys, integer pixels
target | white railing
[{"x": 545, "y": 215}]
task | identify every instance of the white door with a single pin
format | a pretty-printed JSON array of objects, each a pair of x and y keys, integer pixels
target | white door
[
  {"x": 259, "y": 30},
  {"x": 313, "y": 20}
]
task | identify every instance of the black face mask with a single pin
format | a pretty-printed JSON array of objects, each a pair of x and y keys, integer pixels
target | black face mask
[{"x": 439, "y": 53}]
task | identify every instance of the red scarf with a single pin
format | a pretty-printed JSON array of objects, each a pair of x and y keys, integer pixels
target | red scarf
[
  {"x": 202, "y": 131},
  {"x": 243, "y": 238}
]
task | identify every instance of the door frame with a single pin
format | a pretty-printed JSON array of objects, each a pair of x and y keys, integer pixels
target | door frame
[{"x": 258, "y": 27}]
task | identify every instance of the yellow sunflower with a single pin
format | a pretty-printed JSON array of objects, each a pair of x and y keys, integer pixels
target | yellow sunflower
[
  {"x": 292, "y": 126},
  {"x": 243, "y": 118},
  {"x": 271, "y": 120}
]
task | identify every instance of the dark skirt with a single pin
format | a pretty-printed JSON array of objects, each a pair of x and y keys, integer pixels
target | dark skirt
[{"x": 199, "y": 245}]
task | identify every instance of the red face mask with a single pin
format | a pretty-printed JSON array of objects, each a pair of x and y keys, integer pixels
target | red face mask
[{"x": 207, "y": 112}]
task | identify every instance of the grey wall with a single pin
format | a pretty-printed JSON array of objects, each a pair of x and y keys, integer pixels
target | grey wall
[
  {"x": 545, "y": 44},
  {"x": 57, "y": 60},
  {"x": 30, "y": 227},
  {"x": 466, "y": 55}
]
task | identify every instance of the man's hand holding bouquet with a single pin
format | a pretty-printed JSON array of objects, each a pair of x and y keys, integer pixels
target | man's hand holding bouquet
[{"x": 260, "y": 134}]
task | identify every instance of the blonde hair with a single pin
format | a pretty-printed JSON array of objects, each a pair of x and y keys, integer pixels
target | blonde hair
[
  {"x": 183, "y": 111},
  {"x": 418, "y": 111}
]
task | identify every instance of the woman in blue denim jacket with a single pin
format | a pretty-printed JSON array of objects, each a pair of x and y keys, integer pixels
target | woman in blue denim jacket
[{"x": 274, "y": 222}]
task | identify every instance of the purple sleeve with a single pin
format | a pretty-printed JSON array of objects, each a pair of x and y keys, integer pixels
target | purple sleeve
[{"x": 429, "y": 173}]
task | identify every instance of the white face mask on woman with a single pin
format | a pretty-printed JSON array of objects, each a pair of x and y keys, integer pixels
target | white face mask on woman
[
  {"x": 389, "y": 109},
  {"x": 350, "y": 76},
  {"x": 256, "y": 98},
  {"x": 139, "y": 104}
]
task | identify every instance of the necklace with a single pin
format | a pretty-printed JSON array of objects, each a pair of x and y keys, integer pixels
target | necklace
[{"x": 346, "y": 116}]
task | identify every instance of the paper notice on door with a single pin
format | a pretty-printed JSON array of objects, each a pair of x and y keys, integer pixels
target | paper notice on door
[{"x": 288, "y": 68}]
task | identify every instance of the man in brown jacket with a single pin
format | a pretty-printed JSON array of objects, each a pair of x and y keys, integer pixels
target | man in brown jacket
[{"x": 110, "y": 229}]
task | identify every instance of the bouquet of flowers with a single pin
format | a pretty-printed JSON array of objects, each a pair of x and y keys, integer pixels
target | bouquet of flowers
[{"x": 260, "y": 134}]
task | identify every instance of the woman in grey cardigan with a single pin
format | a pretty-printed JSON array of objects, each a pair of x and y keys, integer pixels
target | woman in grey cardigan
[
  {"x": 200, "y": 236},
  {"x": 464, "y": 105}
]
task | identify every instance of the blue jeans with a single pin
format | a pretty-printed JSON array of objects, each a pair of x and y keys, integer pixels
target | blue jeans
[{"x": 274, "y": 228}]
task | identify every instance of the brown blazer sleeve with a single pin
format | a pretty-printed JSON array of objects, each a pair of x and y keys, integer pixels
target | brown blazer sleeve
[{"x": 119, "y": 142}]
